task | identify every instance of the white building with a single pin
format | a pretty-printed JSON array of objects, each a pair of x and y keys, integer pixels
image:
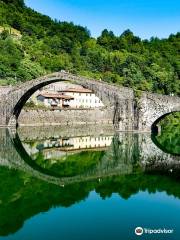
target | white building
[
  {"x": 82, "y": 98},
  {"x": 74, "y": 97}
]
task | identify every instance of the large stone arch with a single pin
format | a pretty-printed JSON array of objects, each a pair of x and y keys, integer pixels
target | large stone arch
[
  {"x": 12, "y": 103},
  {"x": 25, "y": 96},
  {"x": 128, "y": 111}
]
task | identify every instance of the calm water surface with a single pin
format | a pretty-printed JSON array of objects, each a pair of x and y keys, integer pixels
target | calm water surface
[{"x": 87, "y": 183}]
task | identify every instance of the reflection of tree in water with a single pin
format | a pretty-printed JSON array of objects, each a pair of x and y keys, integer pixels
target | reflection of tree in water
[
  {"x": 71, "y": 165},
  {"x": 23, "y": 196}
]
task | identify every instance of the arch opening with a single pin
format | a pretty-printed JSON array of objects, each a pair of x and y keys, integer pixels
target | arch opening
[
  {"x": 27, "y": 95},
  {"x": 18, "y": 107},
  {"x": 154, "y": 126},
  {"x": 166, "y": 133}
]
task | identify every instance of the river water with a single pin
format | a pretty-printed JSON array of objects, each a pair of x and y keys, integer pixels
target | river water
[{"x": 88, "y": 182}]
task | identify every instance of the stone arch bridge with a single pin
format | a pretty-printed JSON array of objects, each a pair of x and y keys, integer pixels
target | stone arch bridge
[{"x": 126, "y": 110}]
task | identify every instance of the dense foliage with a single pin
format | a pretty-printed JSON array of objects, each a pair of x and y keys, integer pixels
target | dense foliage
[{"x": 42, "y": 45}]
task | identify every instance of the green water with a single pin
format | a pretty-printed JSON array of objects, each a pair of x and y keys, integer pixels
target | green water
[{"x": 87, "y": 183}]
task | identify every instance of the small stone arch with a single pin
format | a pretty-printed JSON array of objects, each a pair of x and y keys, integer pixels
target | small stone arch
[
  {"x": 154, "y": 106},
  {"x": 154, "y": 126}
]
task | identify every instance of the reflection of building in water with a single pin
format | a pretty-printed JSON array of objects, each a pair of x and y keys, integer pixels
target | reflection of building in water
[
  {"x": 75, "y": 143},
  {"x": 55, "y": 148},
  {"x": 66, "y": 95}
]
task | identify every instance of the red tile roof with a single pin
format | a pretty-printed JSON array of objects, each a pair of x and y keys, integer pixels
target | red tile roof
[{"x": 55, "y": 95}]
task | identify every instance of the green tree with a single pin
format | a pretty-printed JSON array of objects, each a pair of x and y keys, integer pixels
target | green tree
[{"x": 151, "y": 65}]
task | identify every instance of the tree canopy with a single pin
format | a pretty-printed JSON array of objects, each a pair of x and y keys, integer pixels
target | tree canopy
[{"x": 32, "y": 44}]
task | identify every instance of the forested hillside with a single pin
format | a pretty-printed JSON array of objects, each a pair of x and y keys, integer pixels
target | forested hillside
[{"x": 32, "y": 45}]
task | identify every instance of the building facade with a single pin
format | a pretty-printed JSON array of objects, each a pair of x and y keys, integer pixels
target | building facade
[
  {"x": 82, "y": 98},
  {"x": 74, "y": 97}
]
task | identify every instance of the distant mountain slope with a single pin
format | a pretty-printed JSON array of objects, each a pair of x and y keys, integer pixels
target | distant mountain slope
[{"x": 48, "y": 45}]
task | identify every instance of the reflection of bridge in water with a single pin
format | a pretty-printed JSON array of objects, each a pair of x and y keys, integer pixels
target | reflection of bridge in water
[{"x": 126, "y": 151}]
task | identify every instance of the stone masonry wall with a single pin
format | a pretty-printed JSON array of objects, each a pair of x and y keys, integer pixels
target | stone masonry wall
[
  {"x": 153, "y": 106},
  {"x": 65, "y": 117},
  {"x": 5, "y": 90}
]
